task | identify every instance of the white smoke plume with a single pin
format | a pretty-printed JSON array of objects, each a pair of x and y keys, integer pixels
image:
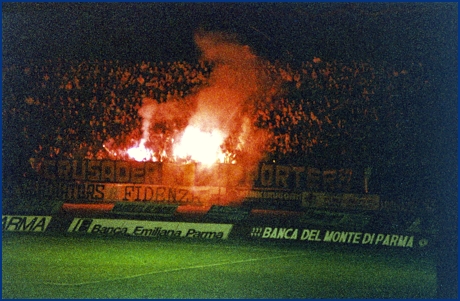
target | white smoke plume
[
  {"x": 224, "y": 106},
  {"x": 172, "y": 114},
  {"x": 236, "y": 83}
]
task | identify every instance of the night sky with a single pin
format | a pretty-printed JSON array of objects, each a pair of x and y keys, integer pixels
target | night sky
[{"x": 392, "y": 32}]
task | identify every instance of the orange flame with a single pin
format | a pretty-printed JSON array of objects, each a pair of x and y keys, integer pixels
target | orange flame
[
  {"x": 200, "y": 146},
  {"x": 195, "y": 145},
  {"x": 141, "y": 153}
]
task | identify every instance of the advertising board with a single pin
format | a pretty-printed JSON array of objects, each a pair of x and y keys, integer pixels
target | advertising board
[
  {"x": 152, "y": 229},
  {"x": 324, "y": 235},
  {"x": 142, "y": 208},
  {"x": 25, "y": 223},
  {"x": 227, "y": 214}
]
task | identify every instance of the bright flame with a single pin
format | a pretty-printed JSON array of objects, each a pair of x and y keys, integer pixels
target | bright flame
[
  {"x": 140, "y": 152},
  {"x": 194, "y": 145},
  {"x": 199, "y": 146}
]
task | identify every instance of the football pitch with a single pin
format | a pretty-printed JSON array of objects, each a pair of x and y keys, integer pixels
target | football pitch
[{"x": 82, "y": 266}]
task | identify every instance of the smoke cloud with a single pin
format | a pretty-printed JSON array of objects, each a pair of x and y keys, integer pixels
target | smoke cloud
[
  {"x": 236, "y": 84},
  {"x": 227, "y": 103}
]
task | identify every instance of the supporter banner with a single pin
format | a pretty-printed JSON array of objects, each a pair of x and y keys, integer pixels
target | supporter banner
[
  {"x": 140, "y": 208},
  {"x": 25, "y": 223},
  {"x": 47, "y": 191},
  {"x": 157, "y": 193},
  {"x": 227, "y": 214},
  {"x": 307, "y": 235},
  {"x": 274, "y": 176},
  {"x": 150, "y": 228},
  {"x": 112, "y": 192}
]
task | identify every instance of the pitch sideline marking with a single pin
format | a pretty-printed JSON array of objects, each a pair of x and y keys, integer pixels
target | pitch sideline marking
[{"x": 166, "y": 271}]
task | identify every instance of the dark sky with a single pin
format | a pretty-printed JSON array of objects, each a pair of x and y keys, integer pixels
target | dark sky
[{"x": 292, "y": 31}]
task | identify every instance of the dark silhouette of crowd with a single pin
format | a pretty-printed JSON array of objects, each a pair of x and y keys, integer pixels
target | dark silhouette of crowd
[
  {"x": 68, "y": 108},
  {"x": 326, "y": 113}
]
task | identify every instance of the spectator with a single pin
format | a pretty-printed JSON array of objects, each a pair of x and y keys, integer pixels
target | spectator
[{"x": 322, "y": 108}]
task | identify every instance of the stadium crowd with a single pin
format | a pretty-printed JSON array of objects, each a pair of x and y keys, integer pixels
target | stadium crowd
[{"x": 325, "y": 112}]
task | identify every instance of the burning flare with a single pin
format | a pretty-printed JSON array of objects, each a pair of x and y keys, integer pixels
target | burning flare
[
  {"x": 212, "y": 125},
  {"x": 140, "y": 152},
  {"x": 195, "y": 145},
  {"x": 200, "y": 146}
]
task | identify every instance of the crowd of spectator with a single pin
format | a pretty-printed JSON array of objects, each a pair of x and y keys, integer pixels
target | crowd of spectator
[
  {"x": 69, "y": 108},
  {"x": 324, "y": 113}
]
